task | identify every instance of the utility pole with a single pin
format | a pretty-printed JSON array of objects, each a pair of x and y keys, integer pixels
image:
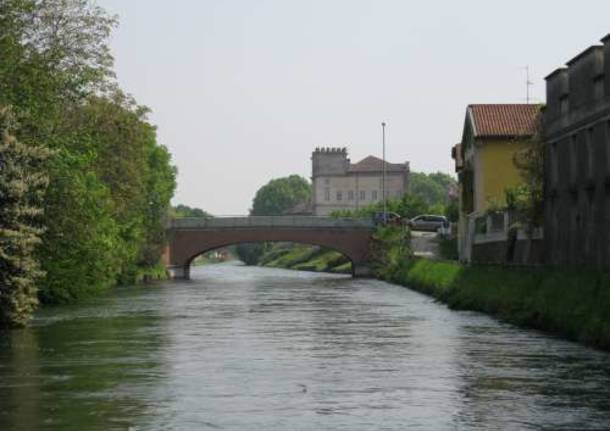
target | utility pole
[
  {"x": 385, "y": 209},
  {"x": 528, "y": 84}
]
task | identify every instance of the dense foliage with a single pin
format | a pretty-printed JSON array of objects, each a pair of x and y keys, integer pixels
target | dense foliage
[
  {"x": 21, "y": 188},
  {"x": 109, "y": 181},
  {"x": 182, "y": 211},
  {"x": 435, "y": 189},
  {"x": 280, "y": 195},
  {"x": 529, "y": 197},
  {"x": 390, "y": 249}
]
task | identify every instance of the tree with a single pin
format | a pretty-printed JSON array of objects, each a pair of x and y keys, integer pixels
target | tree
[
  {"x": 22, "y": 184},
  {"x": 411, "y": 205},
  {"x": 529, "y": 198},
  {"x": 110, "y": 181},
  {"x": 134, "y": 168},
  {"x": 54, "y": 54},
  {"x": 432, "y": 188},
  {"x": 160, "y": 184},
  {"x": 182, "y": 211},
  {"x": 82, "y": 251},
  {"x": 280, "y": 195}
]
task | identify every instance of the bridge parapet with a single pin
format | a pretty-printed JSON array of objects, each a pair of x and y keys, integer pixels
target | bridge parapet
[{"x": 270, "y": 221}]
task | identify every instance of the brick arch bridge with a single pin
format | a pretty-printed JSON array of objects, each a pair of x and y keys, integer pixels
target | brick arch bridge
[{"x": 190, "y": 237}]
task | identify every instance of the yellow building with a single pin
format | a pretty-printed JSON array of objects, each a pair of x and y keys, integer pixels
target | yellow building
[{"x": 484, "y": 159}]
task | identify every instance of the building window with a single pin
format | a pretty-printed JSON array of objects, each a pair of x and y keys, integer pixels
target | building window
[
  {"x": 327, "y": 194},
  {"x": 363, "y": 193},
  {"x": 397, "y": 194},
  {"x": 339, "y": 196},
  {"x": 374, "y": 195},
  {"x": 350, "y": 195}
]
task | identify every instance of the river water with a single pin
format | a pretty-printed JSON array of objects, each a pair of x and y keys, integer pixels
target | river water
[{"x": 241, "y": 348}]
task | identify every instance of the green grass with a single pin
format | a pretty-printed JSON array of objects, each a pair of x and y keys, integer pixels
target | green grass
[
  {"x": 575, "y": 305},
  {"x": 306, "y": 258},
  {"x": 327, "y": 261},
  {"x": 150, "y": 273}
]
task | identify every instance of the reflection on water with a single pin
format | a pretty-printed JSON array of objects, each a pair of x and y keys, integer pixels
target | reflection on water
[{"x": 249, "y": 348}]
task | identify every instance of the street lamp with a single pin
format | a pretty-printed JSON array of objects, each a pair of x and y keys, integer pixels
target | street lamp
[{"x": 385, "y": 209}]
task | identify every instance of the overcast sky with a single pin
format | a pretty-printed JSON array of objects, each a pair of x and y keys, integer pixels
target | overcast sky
[{"x": 243, "y": 91}]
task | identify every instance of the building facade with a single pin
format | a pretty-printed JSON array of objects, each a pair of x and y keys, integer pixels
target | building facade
[
  {"x": 577, "y": 161},
  {"x": 339, "y": 184},
  {"x": 484, "y": 161}
]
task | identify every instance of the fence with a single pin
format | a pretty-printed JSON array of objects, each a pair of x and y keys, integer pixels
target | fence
[{"x": 501, "y": 237}]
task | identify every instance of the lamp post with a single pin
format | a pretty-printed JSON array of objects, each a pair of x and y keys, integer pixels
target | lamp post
[{"x": 385, "y": 209}]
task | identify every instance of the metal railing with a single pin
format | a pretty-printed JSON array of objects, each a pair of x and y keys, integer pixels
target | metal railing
[{"x": 495, "y": 226}]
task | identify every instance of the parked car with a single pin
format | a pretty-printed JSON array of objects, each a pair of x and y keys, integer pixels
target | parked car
[
  {"x": 433, "y": 223},
  {"x": 390, "y": 218}
]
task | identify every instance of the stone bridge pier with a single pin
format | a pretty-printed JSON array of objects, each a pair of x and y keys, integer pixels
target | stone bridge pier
[{"x": 190, "y": 237}]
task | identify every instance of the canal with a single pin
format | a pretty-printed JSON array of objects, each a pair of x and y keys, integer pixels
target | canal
[{"x": 241, "y": 348}]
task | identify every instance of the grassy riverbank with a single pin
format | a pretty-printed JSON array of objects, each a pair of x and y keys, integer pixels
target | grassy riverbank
[
  {"x": 575, "y": 305},
  {"x": 305, "y": 258}
]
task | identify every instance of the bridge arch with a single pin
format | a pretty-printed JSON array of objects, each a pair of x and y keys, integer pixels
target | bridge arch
[
  {"x": 188, "y": 238},
  {"x": 342, "y": 253}
]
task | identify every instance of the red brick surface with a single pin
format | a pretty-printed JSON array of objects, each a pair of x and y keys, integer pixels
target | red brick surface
[{"x": 185, "y": 245}]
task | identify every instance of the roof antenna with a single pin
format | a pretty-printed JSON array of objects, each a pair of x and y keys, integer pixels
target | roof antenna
[{"x": 528, "y": 84}]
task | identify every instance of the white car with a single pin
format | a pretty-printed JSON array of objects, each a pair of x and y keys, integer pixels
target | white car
[{"x": 433, "y": 223}]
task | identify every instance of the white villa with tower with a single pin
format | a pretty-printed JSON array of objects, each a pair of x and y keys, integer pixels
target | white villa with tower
[{"x": 339, "y": 184}]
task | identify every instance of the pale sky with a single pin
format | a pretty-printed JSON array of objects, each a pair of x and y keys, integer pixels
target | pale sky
[{"x": 243, "y": 91}]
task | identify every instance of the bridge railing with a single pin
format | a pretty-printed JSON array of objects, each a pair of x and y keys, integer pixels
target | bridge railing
[{"x": 269, "y": 221}]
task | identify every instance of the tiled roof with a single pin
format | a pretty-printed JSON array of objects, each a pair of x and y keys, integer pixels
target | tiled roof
[
  {"x": 504, "y": 120},
  {"x": 375, "y": 164}
]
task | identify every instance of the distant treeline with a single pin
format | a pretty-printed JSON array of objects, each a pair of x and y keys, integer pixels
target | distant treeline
[
  {"x": 84, "y": 184},
  {"x": 182, "y": 211}
]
